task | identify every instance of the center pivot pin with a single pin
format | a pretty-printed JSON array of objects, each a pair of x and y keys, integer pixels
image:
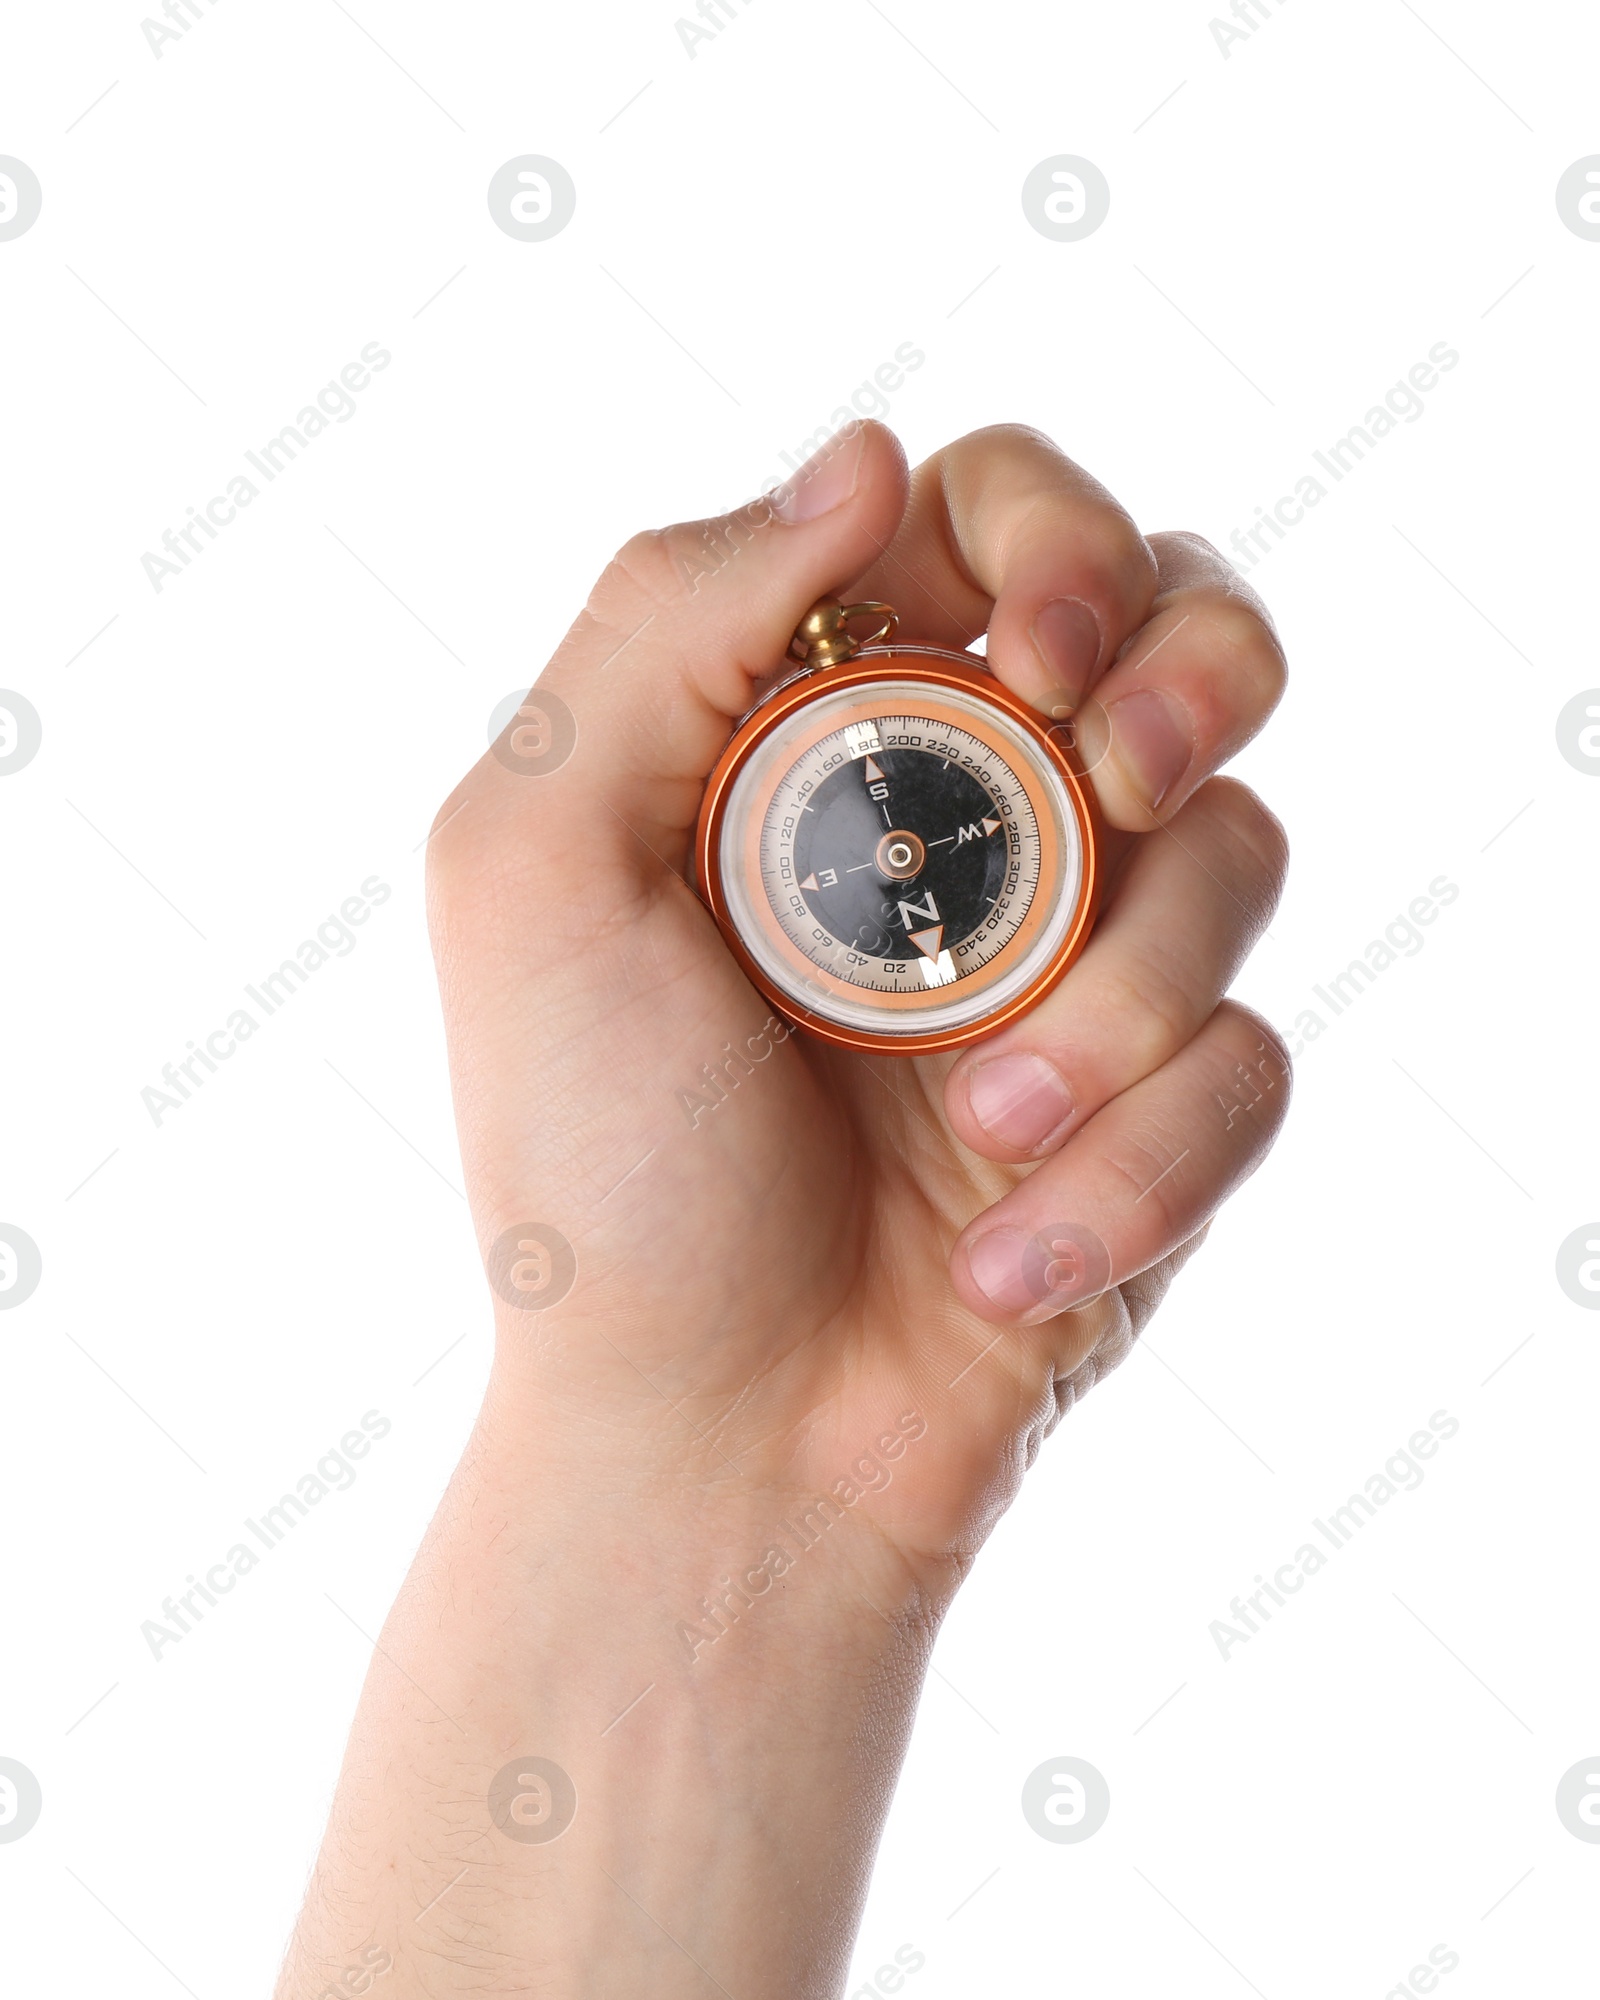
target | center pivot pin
[{"x": 900, "y": 856}]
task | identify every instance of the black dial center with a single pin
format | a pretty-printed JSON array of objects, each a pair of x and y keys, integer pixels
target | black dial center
[{"x": 850, "y": 871}]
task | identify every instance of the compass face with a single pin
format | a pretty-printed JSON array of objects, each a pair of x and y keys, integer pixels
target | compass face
[{"x": 903, "y": 858}]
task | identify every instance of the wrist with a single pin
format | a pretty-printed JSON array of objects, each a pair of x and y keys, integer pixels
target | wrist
[
  {"x": 692, "y": 1550},
  {"x": 637, "y": 1746}
]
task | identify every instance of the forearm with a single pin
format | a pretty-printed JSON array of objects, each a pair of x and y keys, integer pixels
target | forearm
[{"x": 727, "y": 1684}]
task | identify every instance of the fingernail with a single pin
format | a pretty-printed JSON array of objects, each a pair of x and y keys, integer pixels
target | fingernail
[
  {"x": 995, "y": 1261},
  {"x": 1066, "y": 636},
  {"x": 825, "y": 481},
  {"x": 1154, "y": 738},
  {"x": 1021, "y": 1100}
]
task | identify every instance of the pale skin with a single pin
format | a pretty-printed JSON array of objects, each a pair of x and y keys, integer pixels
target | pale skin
[{"x": 823, "y": 1270}]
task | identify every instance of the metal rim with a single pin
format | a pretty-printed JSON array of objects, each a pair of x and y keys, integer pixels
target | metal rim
[{"x": 936, "y": 668}]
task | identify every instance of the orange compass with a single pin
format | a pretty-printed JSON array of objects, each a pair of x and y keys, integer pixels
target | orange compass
[{"x": 900, "y": 853}]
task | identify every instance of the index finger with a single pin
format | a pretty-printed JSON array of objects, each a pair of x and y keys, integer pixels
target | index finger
[{"x": 1004, "y": 532}]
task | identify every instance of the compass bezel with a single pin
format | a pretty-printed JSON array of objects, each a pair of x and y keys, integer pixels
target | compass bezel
[{"x": 939, "y": 670}]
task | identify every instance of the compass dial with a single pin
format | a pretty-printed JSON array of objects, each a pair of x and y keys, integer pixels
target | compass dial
[
  {"x": 915, "y": 837},
  {"x": 902, "y": 857}
]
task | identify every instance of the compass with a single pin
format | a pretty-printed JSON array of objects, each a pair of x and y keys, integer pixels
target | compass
[{"x": 900, "y": 853}]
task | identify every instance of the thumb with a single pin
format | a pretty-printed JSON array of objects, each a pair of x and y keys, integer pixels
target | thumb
[{"x": 662, "y": 660}]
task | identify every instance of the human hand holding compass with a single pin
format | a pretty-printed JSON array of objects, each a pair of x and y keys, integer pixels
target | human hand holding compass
[
  {"x": 603, "y": 1028},
  {"x": 824, "y": 1299},
  {"x": 784, "y": 1233}
]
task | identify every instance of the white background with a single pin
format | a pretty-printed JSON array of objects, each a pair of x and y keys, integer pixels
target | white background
[{"x": 1293, "y": 226}]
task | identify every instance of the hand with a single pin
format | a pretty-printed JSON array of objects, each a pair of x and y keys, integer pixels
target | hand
[
  {"x": 722, "y": 1490},
  {"x": 783, "y": 1248}
]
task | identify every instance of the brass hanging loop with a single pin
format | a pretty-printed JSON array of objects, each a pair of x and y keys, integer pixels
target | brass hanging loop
[{"x": 824, "y": 639}]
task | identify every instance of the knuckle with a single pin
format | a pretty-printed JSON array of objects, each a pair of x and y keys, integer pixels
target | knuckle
[
  {"x": 1189, "y": 563},
  {"x": 1006, "y": 436},
  {"x": 1129, "y": 551},
  {"x": 1231, "y": 619},
  {"x": 1248, "y": 670},
  {"x": 1266, "y": 1051},
  {"x": 1195, "y": 544},
  {"x": 642, "y": 576},
  {"x": 1196, "y": 561},
  {"x": 1121, "y": 543},
  {"x": 1109, "y": 552},
  {"x": 1154, "y": 1012},
  {"x": 1051, "y": 501},
  {"x": 1145, "y": 1158},
  {"x": 661, "y": 569},
  {"x": 454, "y": 854},
  {"x": 1254, "y": 645},
  {"x": 1253, "y": 830}
]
